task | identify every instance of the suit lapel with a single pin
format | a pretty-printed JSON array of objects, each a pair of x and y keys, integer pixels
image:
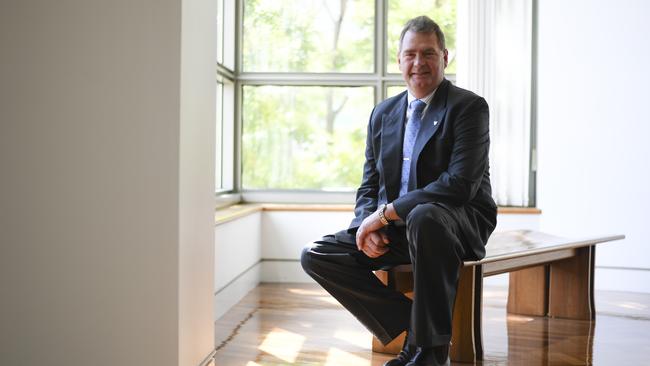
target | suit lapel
[
  {"x": 391, "y": 148},
  {"x": 430, "y": 124}
]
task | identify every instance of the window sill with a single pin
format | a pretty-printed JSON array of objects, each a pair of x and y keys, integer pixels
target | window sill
[{"x": 230, "y": 213}]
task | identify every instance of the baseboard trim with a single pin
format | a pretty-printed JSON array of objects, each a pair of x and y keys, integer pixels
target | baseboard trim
[
  {"x": 237, "y": 277},
  {"x": 277, "y": 270},
  {"x": 230, "y": 294}
]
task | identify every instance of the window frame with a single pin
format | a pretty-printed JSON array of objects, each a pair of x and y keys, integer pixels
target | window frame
[
  {"x": 379, "y": 79},
  {"x": 228, "y": 193}
]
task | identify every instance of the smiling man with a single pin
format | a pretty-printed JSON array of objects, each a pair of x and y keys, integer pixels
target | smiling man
[{"x": 425, "y": 198}]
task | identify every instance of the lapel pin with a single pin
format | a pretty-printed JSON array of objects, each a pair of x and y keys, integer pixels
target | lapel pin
[{"x": 435, "y": 123}]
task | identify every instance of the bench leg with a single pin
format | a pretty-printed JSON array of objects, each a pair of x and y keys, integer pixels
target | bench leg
[
  {"x": 528, "y": 291},
  {"x": 466, "y": 335},
  {"x": 571, "y": 287}
]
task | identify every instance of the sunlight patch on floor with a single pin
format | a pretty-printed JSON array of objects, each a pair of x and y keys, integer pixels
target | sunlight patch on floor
[
  {"x": 300, "y": 291},
  {"x": 359, "y": 339},
  {"x": 337, "y": 357},
  {"x": 283, "y": 344}
]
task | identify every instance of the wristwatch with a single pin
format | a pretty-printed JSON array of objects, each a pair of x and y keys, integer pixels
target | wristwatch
[{"x": 382, "y": 216}]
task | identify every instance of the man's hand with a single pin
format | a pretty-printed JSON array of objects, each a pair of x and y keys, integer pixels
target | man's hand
[{"x": 370, "y": 239}]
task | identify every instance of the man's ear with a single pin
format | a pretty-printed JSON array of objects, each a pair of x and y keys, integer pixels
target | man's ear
[
  {"x": 446, "y": 57},
  {"x": 399, "y": 61}
]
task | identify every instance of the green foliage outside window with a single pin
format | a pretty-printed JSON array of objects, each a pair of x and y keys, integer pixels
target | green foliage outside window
[
  {"x": 291, "y": 140},
  {"x": 308, "y": 36}
]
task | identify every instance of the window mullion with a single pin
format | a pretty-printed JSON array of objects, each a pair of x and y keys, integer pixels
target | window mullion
[
  {"x": 239, "y": 36},
  {"x": 380, "y": 26}
]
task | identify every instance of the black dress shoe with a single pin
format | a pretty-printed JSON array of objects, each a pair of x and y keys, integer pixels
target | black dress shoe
[
  {"x": 404, "y": 356},
  {"x": 430, "y": 356}
]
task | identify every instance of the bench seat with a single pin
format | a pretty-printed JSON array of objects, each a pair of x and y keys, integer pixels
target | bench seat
[{"x": 549, "y": 276}]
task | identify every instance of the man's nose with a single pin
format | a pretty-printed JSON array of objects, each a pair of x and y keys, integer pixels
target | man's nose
[{"x": 418, "y": 59}]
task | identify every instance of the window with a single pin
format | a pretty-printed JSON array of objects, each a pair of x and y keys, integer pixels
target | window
[
  {"x": 225, "y": 114},
  {"x": 224, "y": 180},
  {"x": 297, "y": 81}
]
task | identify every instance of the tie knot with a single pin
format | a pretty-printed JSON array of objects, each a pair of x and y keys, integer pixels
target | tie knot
[{"x": 418, "y": 106}]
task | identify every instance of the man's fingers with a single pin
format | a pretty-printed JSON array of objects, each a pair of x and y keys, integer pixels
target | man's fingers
[
  {"x": 369, "y": 225},
  {"x": 374, "y": 252},
  {"x": 369, "y": 240},
  {"x": 372, "y": 249},
  {"x": 376, "y": 239},
  {"x": 369, "y": 248}
]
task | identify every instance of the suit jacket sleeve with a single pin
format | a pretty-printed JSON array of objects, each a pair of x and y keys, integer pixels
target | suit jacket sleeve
[
  {"x": 459, "y": 184},
  {"x": 367, "y": 193}
]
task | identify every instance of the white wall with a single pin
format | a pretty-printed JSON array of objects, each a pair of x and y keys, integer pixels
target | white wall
[
  {"x": 237, "y": 260},
  {"x": 103, "y": 209},
  {"x": 594, "y": 130},
  {"x": 196, "y": 179},
  {"x": 285, "y": 233}
]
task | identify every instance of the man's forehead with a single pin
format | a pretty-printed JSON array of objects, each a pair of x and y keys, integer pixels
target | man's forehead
[
  {"x": 420, "y": 41},
  {"x": 421, "y": 47}
]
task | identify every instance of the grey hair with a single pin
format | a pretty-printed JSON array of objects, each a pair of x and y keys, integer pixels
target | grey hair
[{"x": 423, "y": 24}]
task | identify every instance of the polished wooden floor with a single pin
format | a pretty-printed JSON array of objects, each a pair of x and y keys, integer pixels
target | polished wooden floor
[{"x": 300, "y": 324}]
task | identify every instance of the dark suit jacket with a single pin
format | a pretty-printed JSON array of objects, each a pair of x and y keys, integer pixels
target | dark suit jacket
[{"x": 449, "y": 165}]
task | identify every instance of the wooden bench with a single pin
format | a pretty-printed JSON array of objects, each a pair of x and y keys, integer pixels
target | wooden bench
[{"x": 549, "y": 276}]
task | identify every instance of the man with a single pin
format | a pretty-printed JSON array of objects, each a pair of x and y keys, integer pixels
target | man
[{"x": 425, "y": 199}]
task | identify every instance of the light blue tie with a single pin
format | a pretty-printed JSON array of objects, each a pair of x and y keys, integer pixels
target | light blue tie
[{"x": 410, "y": 134}]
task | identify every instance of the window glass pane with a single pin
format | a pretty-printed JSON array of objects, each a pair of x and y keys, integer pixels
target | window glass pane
[
  {"x": 220, "y": 31},
  {"x": 304, "y": 137},
  {"x": 308, "y": 36},
  {"x": 393, "y": 90},
  {"x": 229, "y": 34},
  {"x": 442, "y": 12},
  {"x": 228, "y": 131},
  {"x": 225, "y": 136},
  {"x": 218, "y": 183}
]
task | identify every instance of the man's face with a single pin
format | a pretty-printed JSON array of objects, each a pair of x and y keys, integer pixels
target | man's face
[{"x": 421, "y": 62}]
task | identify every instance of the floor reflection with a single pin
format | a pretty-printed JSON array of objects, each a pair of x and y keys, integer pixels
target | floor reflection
[
  {"x": 281, "y": 324},
  {"x": 543, "y": 341}
]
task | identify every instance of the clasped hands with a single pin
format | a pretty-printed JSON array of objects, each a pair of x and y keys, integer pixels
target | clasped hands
[{"x": 370, "y": 238}]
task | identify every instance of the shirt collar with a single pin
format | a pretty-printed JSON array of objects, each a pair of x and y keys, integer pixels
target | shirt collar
[{"x": 426, "y": 99}]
